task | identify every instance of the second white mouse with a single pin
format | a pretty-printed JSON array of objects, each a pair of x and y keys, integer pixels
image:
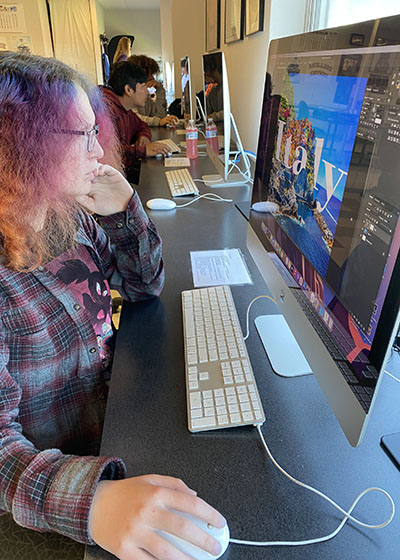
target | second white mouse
[
  {"x": 265, "y": 206},
  {"x": 161, "y": 204},
  {"x": 221, "y": 535}
]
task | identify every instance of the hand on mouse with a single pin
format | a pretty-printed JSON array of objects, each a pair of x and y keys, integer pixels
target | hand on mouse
[
  {"x": 125, "y": 515},
  {"x": 168, "y": 120},
  {"x": 155, "y": 148}
]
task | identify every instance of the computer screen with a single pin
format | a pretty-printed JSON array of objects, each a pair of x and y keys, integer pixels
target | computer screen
[
  {"x": 186, "y": 88},
  {"x": 329, "y": 157},
  {"x": 218, "y": 107}
]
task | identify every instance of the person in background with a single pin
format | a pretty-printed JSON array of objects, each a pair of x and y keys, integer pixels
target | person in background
[
  {"x": 214, "y": 91},
  {"x": 127, "y": 90},
  {"x": 154, "y": 112},
  {"x": 186, "y": 102},
  {"x": 57, "y": 265},
  {"x": 123, "y": 50}
]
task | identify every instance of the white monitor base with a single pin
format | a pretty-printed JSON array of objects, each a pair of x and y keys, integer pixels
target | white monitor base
[
  {"x": 283, "y": 351},
  {"x": 233, "y": 180}
]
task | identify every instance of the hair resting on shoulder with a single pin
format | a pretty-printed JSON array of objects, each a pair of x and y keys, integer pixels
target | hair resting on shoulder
[
  {"x": 37, "y": 98},
  {"x": 149, "y": 65},
  {"x": 213, "y": 62},
  {"x": 123, "y": 48},
  {"x": 125, "y": 73}
]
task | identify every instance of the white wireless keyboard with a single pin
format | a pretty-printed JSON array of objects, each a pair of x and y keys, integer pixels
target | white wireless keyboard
[
  {"x": 180, "y": 182},
  {"x": 220, "y": 386},
  {"x": 171, "y": 144}
]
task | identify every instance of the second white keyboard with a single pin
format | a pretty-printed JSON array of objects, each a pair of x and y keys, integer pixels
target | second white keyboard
[
  {"x": 220, "y": 385},
  {"x": 171, "y": 144},
  {"x": 180, "y": 182}
]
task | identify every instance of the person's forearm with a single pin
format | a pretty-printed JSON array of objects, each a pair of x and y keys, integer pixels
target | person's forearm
[
  {"x": 45, "y": 490},
  {"x": 132, "y": 153},
  {"x": 137, "y": 270}
]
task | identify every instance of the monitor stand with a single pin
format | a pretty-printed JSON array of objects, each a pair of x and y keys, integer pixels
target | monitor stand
[
  {"x": 391, "y": 444},
  {"x": 283, "y": 351},
  {"x": 233, "y": 179}
]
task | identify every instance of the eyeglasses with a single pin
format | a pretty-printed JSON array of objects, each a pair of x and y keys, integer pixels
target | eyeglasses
[{"x": 91, "y": 135}]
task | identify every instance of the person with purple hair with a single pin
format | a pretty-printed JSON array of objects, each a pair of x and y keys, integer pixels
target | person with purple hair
[{"x": 57, "y": 171}]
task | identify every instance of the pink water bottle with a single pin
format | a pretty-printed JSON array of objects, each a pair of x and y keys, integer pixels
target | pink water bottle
[
  {"x": 191, "y": 140},
  {"x": 212, "y": 135}
]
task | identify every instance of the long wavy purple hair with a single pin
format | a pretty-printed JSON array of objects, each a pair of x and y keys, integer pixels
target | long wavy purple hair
[{"x": 37, "y": 97}]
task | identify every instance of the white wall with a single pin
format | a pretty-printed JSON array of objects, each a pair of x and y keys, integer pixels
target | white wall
[
  {"x": 287, "y": 17},
  {"x": 246, "y": 60},
  {"x": 188, "y": 40},
  {"x": 144, "y": 25},
  {"x": 101, "y": 26},
  {"x": 37, "y": 27},
  {"x": 246, "y": 63}
]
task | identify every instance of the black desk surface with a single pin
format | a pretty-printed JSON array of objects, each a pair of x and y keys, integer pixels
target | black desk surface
[{"x": 146, "y": 413}]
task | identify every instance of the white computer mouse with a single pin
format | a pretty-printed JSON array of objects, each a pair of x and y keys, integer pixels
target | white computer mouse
[
  {"x": 161, "y": 204},
  {"x": 221, "y": 535},
  {"x": 265, "y": 206}
]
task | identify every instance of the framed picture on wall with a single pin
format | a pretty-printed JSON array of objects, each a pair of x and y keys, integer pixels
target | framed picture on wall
[
  {"x": 234, "y": 20},
  {"x": 213, "y": 24},
  {"x": 254, "y": 16}
]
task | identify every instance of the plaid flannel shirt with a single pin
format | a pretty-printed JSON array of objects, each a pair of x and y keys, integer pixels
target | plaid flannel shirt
[{"x": 52, "y": 388}]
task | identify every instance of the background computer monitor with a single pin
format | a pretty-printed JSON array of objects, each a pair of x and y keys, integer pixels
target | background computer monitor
[
  {"x": 186, "y": 88},
  {"x": 329, "y": 156},
  {"x": 218, "y": 107}
]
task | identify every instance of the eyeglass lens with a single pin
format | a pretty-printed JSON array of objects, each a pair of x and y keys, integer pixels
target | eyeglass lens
[{"x": 91, "y": 137}]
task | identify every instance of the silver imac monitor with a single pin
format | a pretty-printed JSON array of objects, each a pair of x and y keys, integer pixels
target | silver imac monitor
[
  {"x": 329, "y": 158},
  {"x": 217, "y": 106},
  {"x": 186, "y": 88}
]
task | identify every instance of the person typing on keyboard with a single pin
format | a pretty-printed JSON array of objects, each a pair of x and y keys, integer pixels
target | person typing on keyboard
[
  {"x": 154, "y": 112},
  {"x": 56, "y": 270},
  {"x": 127, "y": 90}
]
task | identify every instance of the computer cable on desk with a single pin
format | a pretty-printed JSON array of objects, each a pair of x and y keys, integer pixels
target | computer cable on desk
[
  {"x": 347, "y": 514},
  {"x": 392, "y": 376},
  {"x": 248, "y": 312},
  {"x": 207, "y": 196}
]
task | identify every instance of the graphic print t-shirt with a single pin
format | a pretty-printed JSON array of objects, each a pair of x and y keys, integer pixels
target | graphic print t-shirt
[{"x": 78, "y": 271}]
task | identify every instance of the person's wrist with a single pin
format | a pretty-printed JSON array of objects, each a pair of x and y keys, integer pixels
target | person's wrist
[{"x": 95, "y": 508}]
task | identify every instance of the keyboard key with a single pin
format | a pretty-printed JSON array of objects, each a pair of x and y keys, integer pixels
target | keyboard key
[
  {"x": 221, "y": 410},
  {"x": 195, "y": 400},
  {"x": 209, "y": 422},
  {"x": 245, "y": 406}
]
